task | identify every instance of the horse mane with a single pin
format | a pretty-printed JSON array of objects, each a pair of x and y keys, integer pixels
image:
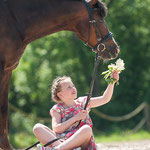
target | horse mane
[{"x": 103, "y": 10}]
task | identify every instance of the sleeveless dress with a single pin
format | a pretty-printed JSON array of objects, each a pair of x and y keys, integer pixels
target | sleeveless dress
[{"x": 68, "y": 112}]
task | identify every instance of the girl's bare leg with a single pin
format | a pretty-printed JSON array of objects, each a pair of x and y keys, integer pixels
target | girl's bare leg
[
  {"x": 81, "y": 138},
  {"x": 44, "y": 134}
]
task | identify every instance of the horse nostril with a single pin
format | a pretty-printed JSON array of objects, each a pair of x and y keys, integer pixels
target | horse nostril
[{"x": 118, "y": 50}]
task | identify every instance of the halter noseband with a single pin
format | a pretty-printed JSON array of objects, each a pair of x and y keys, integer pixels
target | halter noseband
[{"x": 93, "y": 21}]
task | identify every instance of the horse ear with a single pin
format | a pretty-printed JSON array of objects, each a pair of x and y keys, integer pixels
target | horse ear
[{"x": 92, "y": 2}]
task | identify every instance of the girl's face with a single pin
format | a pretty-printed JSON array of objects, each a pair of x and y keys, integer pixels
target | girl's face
[{"x": 68, "y": 90}]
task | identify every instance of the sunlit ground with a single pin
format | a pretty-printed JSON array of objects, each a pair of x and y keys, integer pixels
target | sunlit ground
[{"x": 23, "y": 140}]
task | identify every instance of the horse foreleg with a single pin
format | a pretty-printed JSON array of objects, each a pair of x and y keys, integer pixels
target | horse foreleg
[{"x": 4, "y": 88}]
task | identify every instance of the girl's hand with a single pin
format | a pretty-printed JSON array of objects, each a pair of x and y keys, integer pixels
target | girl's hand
[
  {"x": 115, "y": 75},
  {"x": 81, "y": 115}
]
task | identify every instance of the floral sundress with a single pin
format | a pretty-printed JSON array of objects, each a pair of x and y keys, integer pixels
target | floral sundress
[{"x": 68, "y": 112}]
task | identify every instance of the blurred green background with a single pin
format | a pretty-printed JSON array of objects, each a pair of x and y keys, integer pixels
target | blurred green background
[{"x": 64, "y": 54}]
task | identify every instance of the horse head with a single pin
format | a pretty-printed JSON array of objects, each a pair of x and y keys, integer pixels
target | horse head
[{"x": 94, "y": 32}]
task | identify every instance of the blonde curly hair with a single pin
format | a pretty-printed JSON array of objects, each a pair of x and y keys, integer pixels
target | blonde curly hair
[{"x": 56, "y": 87}]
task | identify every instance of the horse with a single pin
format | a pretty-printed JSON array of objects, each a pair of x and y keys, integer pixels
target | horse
[{"x": 24, "y": 21}]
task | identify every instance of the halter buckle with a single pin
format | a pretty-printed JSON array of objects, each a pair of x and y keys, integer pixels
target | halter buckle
[
  {"x": 98, "y": 39},
  {"x": 92, "y": 21}
]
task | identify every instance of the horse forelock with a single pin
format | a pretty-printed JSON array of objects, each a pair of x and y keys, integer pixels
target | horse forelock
[
  {"x": 100, "y": 5},
  {"x": 102, "y": 8}
]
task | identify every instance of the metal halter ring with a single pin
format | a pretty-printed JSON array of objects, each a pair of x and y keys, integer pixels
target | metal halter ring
[{"x": 98, "y": 47}]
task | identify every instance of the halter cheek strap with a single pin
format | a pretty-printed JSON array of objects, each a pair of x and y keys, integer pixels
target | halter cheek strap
[
  {"x": 92, "y": 21},
  {"x": 97, "y": 46}
]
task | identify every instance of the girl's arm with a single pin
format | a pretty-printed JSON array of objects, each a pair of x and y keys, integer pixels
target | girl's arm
[
  {"x": 59, "y": 127},
  {"x": 106, "y": 97}
]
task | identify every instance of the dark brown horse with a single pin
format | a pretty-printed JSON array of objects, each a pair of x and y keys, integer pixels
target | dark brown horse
[{"x": 23, "y": 21}]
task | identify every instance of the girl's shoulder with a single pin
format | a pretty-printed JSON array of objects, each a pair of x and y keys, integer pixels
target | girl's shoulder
[
  {"x": 81, "y": 100},
  {"x": 56, "y": 108}
]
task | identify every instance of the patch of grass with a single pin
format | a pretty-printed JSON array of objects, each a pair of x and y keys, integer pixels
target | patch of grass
[
  {"x": 122, "y": 136},
  {"x": 22, "y": 140}
]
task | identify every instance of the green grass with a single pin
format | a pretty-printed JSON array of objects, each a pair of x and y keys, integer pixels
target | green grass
[
  {"x": 125, "y": 136},
  {"x": 22, "y": 140}
]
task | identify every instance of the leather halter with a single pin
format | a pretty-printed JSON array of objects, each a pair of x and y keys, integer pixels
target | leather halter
[{"x": 92, "y": 21}]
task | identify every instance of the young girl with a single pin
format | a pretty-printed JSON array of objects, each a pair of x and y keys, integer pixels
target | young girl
[{"x": 67, "y": 113}]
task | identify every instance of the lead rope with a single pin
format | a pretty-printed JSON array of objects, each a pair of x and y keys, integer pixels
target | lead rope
[{"x": 97, "y": 60}]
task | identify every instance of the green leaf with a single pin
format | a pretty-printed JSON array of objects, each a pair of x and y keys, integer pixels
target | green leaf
[
  {"x": 105, "y": 72},
  {"x": 117, "y": 83},
  {"x": 107, "y": 75}
]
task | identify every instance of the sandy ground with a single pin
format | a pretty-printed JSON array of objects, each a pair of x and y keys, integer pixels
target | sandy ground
[{"x": 137, "y": 145}]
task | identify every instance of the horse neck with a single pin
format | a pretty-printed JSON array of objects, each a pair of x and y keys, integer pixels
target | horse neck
[{"x": 39, "y": 18}]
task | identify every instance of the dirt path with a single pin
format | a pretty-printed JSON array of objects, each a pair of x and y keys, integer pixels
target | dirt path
[{"x": 137, "y": 145}]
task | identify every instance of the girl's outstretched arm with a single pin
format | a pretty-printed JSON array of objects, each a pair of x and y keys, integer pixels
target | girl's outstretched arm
[{"x": 106, "y": 97}]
